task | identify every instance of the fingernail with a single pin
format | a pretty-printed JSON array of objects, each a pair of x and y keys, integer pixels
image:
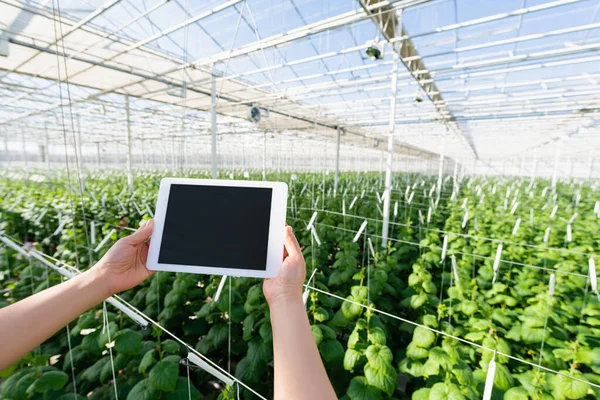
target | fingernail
[{"x": 143, "y": 225}]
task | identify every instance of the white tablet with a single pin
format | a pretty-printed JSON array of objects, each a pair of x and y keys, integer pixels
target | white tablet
[{"x": 219, "y": 227}]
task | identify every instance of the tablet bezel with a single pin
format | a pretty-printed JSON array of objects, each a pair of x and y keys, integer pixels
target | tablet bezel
[{"x": 276, "y": 228}]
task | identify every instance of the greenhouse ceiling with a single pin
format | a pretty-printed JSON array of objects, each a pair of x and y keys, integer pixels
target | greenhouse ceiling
[{"x": 474, "y": 79}]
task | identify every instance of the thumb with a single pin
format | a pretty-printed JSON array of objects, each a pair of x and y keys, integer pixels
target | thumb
[{"x": 143, "y": 233}]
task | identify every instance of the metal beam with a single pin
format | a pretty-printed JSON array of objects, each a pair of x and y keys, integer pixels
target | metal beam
[{"x": 388, "y": 24}]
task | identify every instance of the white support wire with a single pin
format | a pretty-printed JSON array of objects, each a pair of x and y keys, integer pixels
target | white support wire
[{"x": 442, "y": 333}]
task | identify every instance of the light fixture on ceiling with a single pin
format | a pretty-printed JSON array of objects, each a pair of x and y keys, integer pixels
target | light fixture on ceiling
[{"x": 375, "y": 49}]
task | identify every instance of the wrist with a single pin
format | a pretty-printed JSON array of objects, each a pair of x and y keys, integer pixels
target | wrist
[
  {"x": 284, "y": 299},
  {"x": 99, "y": 277}
]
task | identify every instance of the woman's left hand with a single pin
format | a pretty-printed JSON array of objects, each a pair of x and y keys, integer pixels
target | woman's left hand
[{"x": 124, "y": 264}]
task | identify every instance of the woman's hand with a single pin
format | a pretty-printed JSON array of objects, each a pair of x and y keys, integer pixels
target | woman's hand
[
  {"x": 288, "y": 284},
  {"x": 124, "y": 264}
]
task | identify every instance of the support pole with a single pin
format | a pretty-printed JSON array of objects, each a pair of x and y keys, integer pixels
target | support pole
[
  {"x": 337, "y": 161},
  {"x": 213, "y": 109},
  {"x": 555, "y": 168},
  {"x": 440, "y": 171},
  {"x": 79, "y": 155},
  {"x": 590, "y": 163},
  {"x": 264, "y": 157},
  {"x": 47, "y": 150},
  {"x": 24, "y": 143},
  {"x": 390, "y": 147},
  {"x": 98, "y": 157},
  {"x": 129, "y": 156}
]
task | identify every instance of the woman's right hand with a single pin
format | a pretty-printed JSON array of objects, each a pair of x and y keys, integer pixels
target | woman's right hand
[{"x": 288, "y": 284}]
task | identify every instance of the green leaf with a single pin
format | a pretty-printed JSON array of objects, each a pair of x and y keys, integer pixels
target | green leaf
[
  {"x": 142, "y": 391},
  {"x": 170, "y": 346},
  {"x": 381, "y": 378},
  {"x": 503, "y": 379},
  {"x": 351, "y": 357},
  {"x": 317, "y": 333},
  {"x": 331, "y": 350},
  {"x": 423, "y": 337},
  {"x": 377, "y": 336},
  {"x": 181, "y": 391},
  {"x": 379, "y": 356},
  {"x": 571, "y": 388},
  {"x": 51, "y": 380},
  {"x": 417, "y": 300},
  {"x": 147, "y": 361},
  {"x": 421, "y": 394},
  {"x": 438, "y": 355},
  {"x": 248, "y": 325},
  {"x": 359, "y": 292},
  {"x": 445, "y": 391},
  {"x": 430, "y": 368},
  {"x": 415, "y": 352},
  {"x": 516, "y": 393},
  {"x": 163, "y": 376},
  {"x": 128, "y": 341},
  {"x": 92, "y": 374},
  {"x": 328, "y": 333},
  {"x": 321, "y": 314},
  {"x": 15, "y": 386},
  {"x": 469, "y": 307},
  {"x": 359, "y": 389},
  {"x": 351, "y": 310}
]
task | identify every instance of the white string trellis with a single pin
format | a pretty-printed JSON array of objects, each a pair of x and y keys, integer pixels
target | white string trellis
[
  {"x": 434, "y": 247},
  {"x": 442, "y": 333},
  {"x": 459, "y": 234}
]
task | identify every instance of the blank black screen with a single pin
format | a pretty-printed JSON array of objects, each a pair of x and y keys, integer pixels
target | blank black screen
[{"x": 217, "y": 226}]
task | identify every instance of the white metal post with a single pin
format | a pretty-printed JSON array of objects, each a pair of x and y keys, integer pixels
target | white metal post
[
  {"x": 264, "y": 157},
  {"x": 129, "y": 155},
  {"x": 441, "y": 170},
  {"x": 79, "y": 155},
  {"x": 390, "y": 148},
  {"x": 590, "y": 170},
  {"x": 98, "y": 156},
  {"x": 337, "y": 161},
  {"x": 555, "y": 168},
  {"x": 213, "y": 109},
  {"x": 24, "y": 143},
  {"x": 47, "y": 150}
]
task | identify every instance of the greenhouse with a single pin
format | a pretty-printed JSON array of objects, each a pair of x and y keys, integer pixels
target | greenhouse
[{"x": 436, "y": 160}]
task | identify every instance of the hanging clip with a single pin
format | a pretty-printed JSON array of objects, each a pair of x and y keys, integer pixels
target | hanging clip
[
  {"x": 497, "y": 262},
  {"x": 352, "y": 203},
  {"x": 220, "y": 288},
  {"x": 313, "y": 231},
  {"x": 444, "y": 247},
  {"x": 455, "y": 270},
  {"x": 312, "y": 220},
  {"x": 105, "y": 240},
  {"x": 360, "y": 231},
  {"x": 489, "y": 380},
  {"x": 516, "y": 228},
  {"x": 194, "y": 359},
  {"x": 465, "y": 219}
]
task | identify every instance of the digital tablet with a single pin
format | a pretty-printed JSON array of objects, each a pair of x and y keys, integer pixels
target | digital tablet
[{"x": 219, "y": 227}]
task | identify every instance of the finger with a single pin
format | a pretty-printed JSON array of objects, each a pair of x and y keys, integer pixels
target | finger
[
  {"x": 291, "y": 243},
  {"x": 143, "y": 233}
]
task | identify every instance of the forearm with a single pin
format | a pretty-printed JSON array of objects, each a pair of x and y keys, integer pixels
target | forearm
[
  {"x": 299, "y": 371},
  {"x": 26, "y": 324}
]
